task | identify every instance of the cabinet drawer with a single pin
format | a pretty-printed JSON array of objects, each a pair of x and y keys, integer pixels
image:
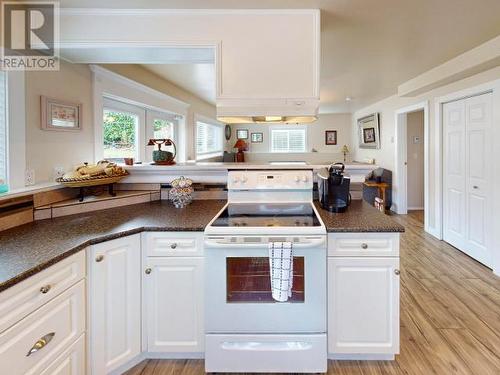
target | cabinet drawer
[
  {"x": 71, "y": 362},
  {"x": 25, "y": 297},
  {"x": 363, "y": 244},
  {"x": 161, "y": 244},
  {"x": 51, "y": 329}
]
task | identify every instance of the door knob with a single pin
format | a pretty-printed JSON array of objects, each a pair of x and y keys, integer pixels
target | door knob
[
  {"x": 173, "y": 246},
  {"x": 99, "y": 258},
  {"x": 475, "y": 187},
  {"x": 397, "y": 272},
  {"x": 147, "y": 271},
  {"x": 364, "y": 246}
]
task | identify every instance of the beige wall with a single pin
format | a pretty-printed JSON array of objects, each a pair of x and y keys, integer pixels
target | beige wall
[
  {"x": 415, "y": 159},
  {"x": 148, "y": 78},
  {"x": 48, "y": 149},
  {"x": 315, "y": 139},
  {"x": 386, "y": 155}
]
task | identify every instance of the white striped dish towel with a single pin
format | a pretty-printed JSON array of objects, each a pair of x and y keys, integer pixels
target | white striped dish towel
[{"x": 281, "y": 270}]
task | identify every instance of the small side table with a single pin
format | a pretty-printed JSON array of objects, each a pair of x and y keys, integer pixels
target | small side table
[{"x": 381, "y": 186}]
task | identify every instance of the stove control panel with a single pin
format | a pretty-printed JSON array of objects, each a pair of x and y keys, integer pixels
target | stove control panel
[{"x": 270, "y": 180}]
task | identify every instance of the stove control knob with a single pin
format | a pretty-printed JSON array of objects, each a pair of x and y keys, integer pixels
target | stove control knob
[
  {"x": 297, "y": 178},
  {"x": 236, "y": 179},
  {"x": 304, "y": 178},
  {"x": 244, "y": 179}
]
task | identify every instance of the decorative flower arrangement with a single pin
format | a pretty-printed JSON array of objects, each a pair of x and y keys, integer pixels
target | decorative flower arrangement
[{"x": 181, "y": 193}]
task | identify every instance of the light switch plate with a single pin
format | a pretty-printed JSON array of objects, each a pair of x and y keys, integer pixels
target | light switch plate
[{"x": 29, "y": 177}]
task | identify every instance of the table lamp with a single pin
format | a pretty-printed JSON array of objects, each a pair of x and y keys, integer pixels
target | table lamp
[
  {"x": 241, "y": 145},
  {"x": 345, "y": 151}
]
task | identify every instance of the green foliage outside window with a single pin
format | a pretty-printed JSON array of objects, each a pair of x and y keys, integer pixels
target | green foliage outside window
[{"x": 119, "y": 129}]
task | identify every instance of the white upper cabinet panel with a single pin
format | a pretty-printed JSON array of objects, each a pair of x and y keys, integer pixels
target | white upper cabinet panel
[{"x": 261, "y": 55}]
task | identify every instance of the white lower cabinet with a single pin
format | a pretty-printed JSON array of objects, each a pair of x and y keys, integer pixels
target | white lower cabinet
[
  {"x": 114, "y": 303},
  {"x": 173, "y": 290},
  {"x": 363, "y": 305}
]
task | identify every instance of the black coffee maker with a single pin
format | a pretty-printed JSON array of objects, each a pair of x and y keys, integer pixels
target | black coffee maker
[{"x": 333, "y": 188}]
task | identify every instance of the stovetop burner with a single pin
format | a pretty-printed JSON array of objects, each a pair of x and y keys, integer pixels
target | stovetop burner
[{"x": 267, "y": 215}]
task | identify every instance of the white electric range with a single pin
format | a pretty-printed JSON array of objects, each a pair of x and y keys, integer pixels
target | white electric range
[{"x": 246, "y": 329}]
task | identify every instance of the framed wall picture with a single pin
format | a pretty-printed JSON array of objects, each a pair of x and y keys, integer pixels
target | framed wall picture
[
  {"x": 330, "y": 137},
  {"x": 60, "y": 115},
  {"x": 369, "y": 131},
  {"x": 257, "y": 137},
  {"x": 242, "y": 133}
]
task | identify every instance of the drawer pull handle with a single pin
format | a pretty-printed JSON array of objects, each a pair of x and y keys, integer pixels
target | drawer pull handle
[
  {"x": 40, "y": 344},
  {"x": 364, "y": 246},
  {"x": 45, "y": 289},
  {"x": 173, "y": 246},
  {"x": 147, "y": 271},
  {"x": 99, "y": 258},
  {"x": 397, "y": 272}
]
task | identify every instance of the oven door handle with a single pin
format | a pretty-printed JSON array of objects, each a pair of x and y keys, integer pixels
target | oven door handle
[{"x": 225, "y": 244}]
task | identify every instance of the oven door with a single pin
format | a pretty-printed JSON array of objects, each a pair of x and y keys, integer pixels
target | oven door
[{"x": 238, "y": 286}]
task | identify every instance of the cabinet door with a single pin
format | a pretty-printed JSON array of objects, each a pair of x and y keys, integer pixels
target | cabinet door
[
  {"x": 115, "y": 303},
  {"x": 363, "y": 305},
  {"x": 174, "y": 304}
]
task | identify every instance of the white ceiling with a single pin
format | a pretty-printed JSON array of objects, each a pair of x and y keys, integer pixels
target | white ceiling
[{"x": 369, "y": 47}]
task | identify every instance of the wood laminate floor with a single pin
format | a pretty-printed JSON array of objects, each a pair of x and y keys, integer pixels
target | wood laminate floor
[{"x": 450, "y": 315}]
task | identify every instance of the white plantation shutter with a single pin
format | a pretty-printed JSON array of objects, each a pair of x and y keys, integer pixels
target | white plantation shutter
[
  {"x": 3, "y": 127},
  {"x": 208, "y": 140},
  {"x": 288, "y": 140}
]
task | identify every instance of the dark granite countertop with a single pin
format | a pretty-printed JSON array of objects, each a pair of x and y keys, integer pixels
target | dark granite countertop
[
  {"x": 30, "y": 248},
  {"x": 359, "y": 217}
]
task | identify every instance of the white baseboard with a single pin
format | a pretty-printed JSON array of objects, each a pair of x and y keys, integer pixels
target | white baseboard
[
  {"x": 416, "y": 208},
  {"x": 361, "y": 357},
  {"x": 150, "y": 355}
]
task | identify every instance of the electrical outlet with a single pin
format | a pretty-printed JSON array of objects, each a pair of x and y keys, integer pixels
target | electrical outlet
[
  {"x": 29, "y": 177},
  {"x": 57, "y": 172}
]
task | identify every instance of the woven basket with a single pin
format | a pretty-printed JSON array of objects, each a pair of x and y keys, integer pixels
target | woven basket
[{"x": 91, "y": 181}]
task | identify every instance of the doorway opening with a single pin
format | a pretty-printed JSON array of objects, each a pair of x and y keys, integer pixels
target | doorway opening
[
  {"x": 415, "y": 160},
  {"x": 412, "y": 140}
]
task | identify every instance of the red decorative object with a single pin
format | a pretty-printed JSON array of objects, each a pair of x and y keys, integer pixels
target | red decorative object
[{"x": 242, "y": 146}]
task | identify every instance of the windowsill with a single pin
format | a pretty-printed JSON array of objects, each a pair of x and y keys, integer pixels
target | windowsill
[{"x": 38, "y": 188}]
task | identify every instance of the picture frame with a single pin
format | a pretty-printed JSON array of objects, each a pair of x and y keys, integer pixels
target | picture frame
[
  {"x": 330, "y": 137},
  {"x": 369, "y": 131},
  {"x": 257, "y": 137},
  {"x": 59, "y": 115},
  {"x": 242, "y": 133}
]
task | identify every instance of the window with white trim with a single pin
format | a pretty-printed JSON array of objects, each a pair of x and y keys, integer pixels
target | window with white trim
[
  {"x": 127, "y": 128},
  {"x": 208, "y": 140},
  {"x": 288, "y": 139},
  {"x": 3, "y": 128}
]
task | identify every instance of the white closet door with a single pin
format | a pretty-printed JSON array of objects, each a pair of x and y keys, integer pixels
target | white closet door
[
  {"x": 467, "y": 175},
  {"x": 454, "y": 173},
  {"x": 478, "y": 200}
]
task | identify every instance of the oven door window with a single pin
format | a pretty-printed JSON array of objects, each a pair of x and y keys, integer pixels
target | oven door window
[{"x": 249, "y": 281}]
